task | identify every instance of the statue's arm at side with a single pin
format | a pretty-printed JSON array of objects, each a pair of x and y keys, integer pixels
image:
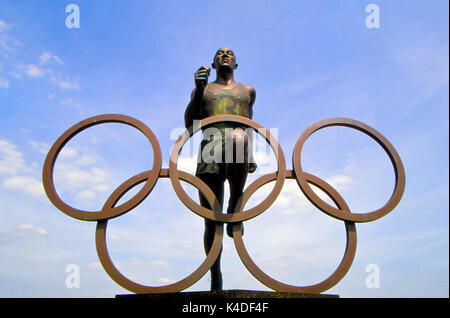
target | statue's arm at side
[
  {"x": 252, "y": 93},
  {"x": 193, "y": 108},
  {"x": 252, "y": 162}
]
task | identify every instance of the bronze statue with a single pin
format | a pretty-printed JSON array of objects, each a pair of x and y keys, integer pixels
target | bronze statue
[{"x": 224, "y": 96}]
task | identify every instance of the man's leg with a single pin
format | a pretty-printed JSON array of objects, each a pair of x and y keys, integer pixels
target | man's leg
[
  {"x": 216, "y": 183},
  {"x": 236, "y": 172}
]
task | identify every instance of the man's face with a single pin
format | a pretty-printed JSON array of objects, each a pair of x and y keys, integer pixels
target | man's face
[{"x": 225, "y": 58}]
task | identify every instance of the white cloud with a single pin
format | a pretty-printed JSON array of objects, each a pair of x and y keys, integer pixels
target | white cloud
[
  {"x": 187, "y": 246},
  {"x": 159, "y": 263},
  {"x": 77, "y": 171},
  {"x": 6, "y": 43},
  {"x": 266, "y": 162},
  {"x": 27, "y": 184},
  {"x": 279, "y": 263},
  {"x": 33, "y": 70},
  {"x": 41, "y": 231},
  {"x": 11, "y": 159},
  {"x": 40, "y": 147},
  {"x": 4, "y": 26},
  {"x": 138, "y": 270},
  {"x": 290, "y": 200},
  {"x": 67, "y": 101},
  {"x": 30, "y": 228},
  {"x": 80, "y": 176},
  {"x": 68, "y": 153},
  {"x": 76, "y": 158},
  {"x": 19, "y": 176},
  {"x": 4, "y": 83},
  {"x": 45, "y": 69},
  {"x": 87, "y": 159},
  {"x": 26, "y": 227},
  {"x": 143, "y": 264},
  {"x": 95, "y": 266},
  {"x": 73, "y": 177},
  {"x": 262, "y": 158},
  {"x": 86, "y": 195},
  {"x": 165, "y": 280},
  {"x": 65, "y": 83},
  {"x": 46, "y": 57},
  {"x": 340, "y": 181},
  {"x": 101, "y": 187}
]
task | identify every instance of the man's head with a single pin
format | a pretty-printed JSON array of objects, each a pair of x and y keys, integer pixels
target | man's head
[{"x": 224, "y": 58}]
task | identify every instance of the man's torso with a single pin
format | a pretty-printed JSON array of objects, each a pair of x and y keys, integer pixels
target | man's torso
[{"x": 221, "y": 100}]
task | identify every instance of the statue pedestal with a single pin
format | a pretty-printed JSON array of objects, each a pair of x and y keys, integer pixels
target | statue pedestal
[
  {"x": 226, "y": 301},
  {"x": 226, "y": 294}
]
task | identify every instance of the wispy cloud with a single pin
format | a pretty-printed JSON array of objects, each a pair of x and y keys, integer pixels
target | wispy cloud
[
  {"x": 63, "y": 82},
  {"x": 29, "y": 228},
  {"x": 32, "y": 70},
  {"x": 46, "y": 57},
  {"x": 340, "y": 181},
  {"x": 17, "y": 174},
  {"x": 55, "y": 78},
  {"x": 187, "y": 246},
  {"x": 27, "y": 184},
  {"x": 79, "y": 173},
  {"x": 4, "y": 26},
  {"x": 70, "y": 102},
  {"x": 6, "y": 43},
  {"x": 40, "y": 147},
  {"x": 4, "y": 83},
  {"x": 46, "y": 67},
  {"x": 12, "y": 160},
  {"x": 144, "y": 271}
]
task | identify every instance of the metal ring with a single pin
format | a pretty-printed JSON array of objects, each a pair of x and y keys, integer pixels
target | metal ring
[
  {"x": 329, "y": 282},
  {"x": 106, "y": 212},
  {"x": 239, "y": 215},
  {"x": 118, "y": 277},
  {"x": 340, "y": 213},
  {"x": 150, "y": 177}
]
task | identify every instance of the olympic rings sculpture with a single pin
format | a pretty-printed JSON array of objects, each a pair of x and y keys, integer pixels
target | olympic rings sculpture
[{"x": 150, "y": 178}]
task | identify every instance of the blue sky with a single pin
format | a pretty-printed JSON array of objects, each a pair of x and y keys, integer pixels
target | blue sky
[{"x": 308, "y": 60}]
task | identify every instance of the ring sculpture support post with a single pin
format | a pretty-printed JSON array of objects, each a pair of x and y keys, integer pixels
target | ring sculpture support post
[{"x": 149, "y": 178}]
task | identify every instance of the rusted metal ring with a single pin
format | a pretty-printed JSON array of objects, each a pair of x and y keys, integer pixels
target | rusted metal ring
[
  {"x": 106, "y": 212},
  {"x": 238, "y": 215},
  {"x": 118, "y": 277},
  {"x": 150, "y": 177},
  {"x": 343, "y": 266},
  {"x": 340, "y": 213}
]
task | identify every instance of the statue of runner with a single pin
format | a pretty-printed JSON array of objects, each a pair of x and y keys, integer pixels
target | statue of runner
[{"x": 224, "y": 96}]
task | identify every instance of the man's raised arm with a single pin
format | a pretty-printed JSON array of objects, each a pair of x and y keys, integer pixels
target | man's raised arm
[{"x": 193, "y": 108}]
